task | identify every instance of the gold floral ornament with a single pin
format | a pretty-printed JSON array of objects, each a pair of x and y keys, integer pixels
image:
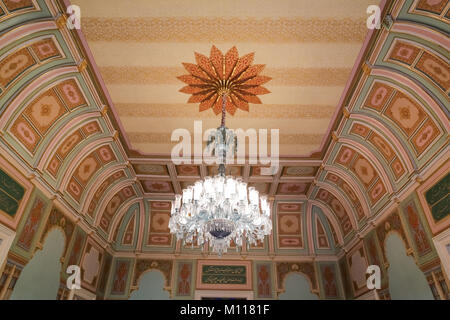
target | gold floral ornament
[{"x": 224, "y": 79}]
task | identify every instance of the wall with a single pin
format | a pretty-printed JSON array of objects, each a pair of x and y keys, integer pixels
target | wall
[
  {"x": 401, "y": 243},
  {"x": 406, "y": 280},
  {"x": 40, "y": 278},
  {"x": 378, "y": 174},
  {"x": 297, "y": 288},
  {"x": 34, "y": 221},
  {"x": 151, "y": 287}
]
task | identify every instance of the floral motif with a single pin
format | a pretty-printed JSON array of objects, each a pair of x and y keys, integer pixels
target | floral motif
[{"x": 224, "y": 75}]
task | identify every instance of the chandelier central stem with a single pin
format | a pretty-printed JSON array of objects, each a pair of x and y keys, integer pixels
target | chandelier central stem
[
  {"x": 223, "y": 156},
  {"x": 224, "y": 103}
]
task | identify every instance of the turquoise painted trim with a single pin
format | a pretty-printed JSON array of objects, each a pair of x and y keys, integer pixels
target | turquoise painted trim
[
  {"x": 24, "y": 18},
  {"x": 395, "y": 129},
  {"x": 106, "y": 192},
  {"x": 378, "y": 155},
  {"x": 375, "y": 151},
  {"x": 434, "y": 23},
  {"x": 72, "y": 154},
  {"x": 418, "y": 77},
  {"x": 133, "y": 211},
  {"x": 316, "y": 211},
  {"x": 351, "y": 234},
  {"x": 36, "y": 72}
]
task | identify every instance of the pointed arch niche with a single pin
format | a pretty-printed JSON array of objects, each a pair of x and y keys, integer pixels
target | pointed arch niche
[
  {"x": 297, "y": 287},
  {"x": 151, "y": 287},
  {"x": 406, "y": 280},
  {"x": 40, "y": 279}
]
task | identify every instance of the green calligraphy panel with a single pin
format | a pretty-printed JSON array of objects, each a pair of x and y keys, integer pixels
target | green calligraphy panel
[
  {"x": 438, "y": 198},
  {"x": 10, "y": 194},
  {"x": 213, "y": 274}
]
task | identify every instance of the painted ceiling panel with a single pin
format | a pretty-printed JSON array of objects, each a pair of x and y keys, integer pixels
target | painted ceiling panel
[{"x": 308, "y": 48}]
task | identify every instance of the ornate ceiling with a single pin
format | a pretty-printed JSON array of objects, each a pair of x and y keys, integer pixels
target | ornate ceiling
[
  {"x": 308, "y": 49},
  {"x": 61, "y": 110}
]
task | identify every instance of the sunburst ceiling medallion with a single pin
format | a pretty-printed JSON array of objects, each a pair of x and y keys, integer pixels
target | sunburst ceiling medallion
[{"x": 224, "y": 76}]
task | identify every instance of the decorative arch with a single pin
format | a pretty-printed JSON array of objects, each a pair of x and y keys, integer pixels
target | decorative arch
[
  {"x": 37, "y": 119},
  {"x": 353, "y": 216},
  {"x": 388, "y": 99},
  {"x": 80, "y": 177},
  {"x": 382, "y": 148},
  {"x": 346, "y": 186},
  {"x": 380, "y": 128},
  {"x": 334, "y": 224},
  {"x": 305, "y": 269},
  {"x": 333, "y": 204},
  {"x": 364, "y": 171},
  {"x": 410, "y": 54},
  {"x": 133, "y": 208},
  {"x": 58, "y": 220},
  {"x": 420, "y": 283},
  {"x": 145, "y": 265},
  {"x": 403, "y": 82},
  {"x": 118, "y": 200},
  {"x": 27, "y": 10},
  {"x": 72, "y": 137},
  {"x": 322, "y": 240},
  {"x": 324, "y": 237},
  {"x": 34, "y": 52},
  {"x": 391, "y": 224},
  {"x": 365, "y": 153},
  {"x": 40, "y": 278},
  {"x": 426, "y": 32},
  {"x": 101, "y": 187},
  {"x": 153, "y": 288},
  {"x": 16, "y": 104},
  {"x": 297, "y": 280}
]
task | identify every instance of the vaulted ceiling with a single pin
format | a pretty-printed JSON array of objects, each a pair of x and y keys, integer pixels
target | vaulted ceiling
[{"x": 73, "y": 120}]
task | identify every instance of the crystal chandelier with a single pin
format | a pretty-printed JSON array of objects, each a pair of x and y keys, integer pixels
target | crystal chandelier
[{"x": 221, "y": 209}]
